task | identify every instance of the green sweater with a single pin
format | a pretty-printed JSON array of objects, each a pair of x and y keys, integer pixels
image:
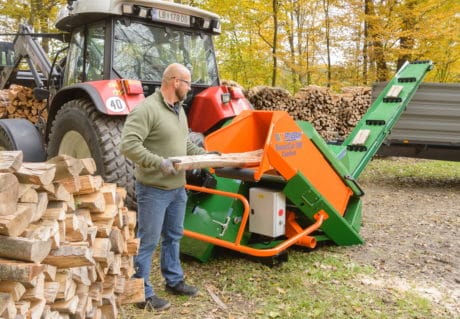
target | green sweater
[{"x": 152, "y": 132}]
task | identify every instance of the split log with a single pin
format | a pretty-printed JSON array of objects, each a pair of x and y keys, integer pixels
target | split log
[
  {"x": 94, "y": 202},
  {"x": 89, "y": 184},
  {"x": 9, "y": 193},
  {"x": 50, "y": 291},
  {"x": 245, "y": 159},
  {"x": 10, "y": 161},
  {"x": 89, "y": 166},
  {"x": 36, "y": 173},
  {"x": 24, "y": 249},
  {"x": 18, "y": 271},
  {"x": 14, "y": 288},
  {"x": 66, "y": 166},
  {"x": 13, "y": 225},
  {"x": 28, "y": 194},
  {"x": 67, "y": 256},
  {"x": 7, "y": 308},
  {"x": 37, "y": 292},
  {"x": 133, "y": 293}
]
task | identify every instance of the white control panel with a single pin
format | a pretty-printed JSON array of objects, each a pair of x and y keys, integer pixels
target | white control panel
[{"x": 268, "y": 212}]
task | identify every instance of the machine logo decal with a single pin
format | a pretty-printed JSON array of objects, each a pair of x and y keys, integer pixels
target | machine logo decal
[{"x": 288, "y": 142}]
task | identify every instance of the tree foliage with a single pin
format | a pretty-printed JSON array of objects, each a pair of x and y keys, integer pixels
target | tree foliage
[{"x": 294, "y": 43}]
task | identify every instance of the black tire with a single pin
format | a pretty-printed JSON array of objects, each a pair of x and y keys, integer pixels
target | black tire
[
  {"x": 22, "y": 135},
  {"x": 79, "y": 130}
]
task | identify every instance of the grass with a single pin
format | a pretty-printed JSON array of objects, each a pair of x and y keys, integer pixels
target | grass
[
  {"x": 412, "y": 171},
  {"x": 323, "y": 283}
]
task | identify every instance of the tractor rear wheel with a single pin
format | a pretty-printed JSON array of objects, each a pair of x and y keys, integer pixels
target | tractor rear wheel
[
  {"x": 80, "y": 131},
  {"x": 22, "y": 135}
]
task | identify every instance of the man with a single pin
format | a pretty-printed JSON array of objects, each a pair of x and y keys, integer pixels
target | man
[{"x": 154, "y": 131}]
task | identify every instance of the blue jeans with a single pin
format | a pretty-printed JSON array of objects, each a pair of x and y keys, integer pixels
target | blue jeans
[{"x": 160, "y": 213}]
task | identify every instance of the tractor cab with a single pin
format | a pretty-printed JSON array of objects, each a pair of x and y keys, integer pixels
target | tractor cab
[{"x": 122, "y": 40}]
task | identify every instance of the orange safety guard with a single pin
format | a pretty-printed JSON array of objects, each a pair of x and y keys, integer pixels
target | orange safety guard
[
  {"x": 299, "y": 236},
  {"x": 286, "y": 151}
]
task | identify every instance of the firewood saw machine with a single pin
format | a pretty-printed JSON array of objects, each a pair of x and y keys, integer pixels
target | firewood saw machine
[{"x": 303, "y": 191}]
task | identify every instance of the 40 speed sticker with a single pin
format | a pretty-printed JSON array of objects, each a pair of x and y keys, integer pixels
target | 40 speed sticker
[{"x": 115, "y": 104}]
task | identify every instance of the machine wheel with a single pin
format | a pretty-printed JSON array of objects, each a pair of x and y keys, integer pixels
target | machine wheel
[
  {"x": 79, "y": 130},
  {"x": 20, "y": 134}
]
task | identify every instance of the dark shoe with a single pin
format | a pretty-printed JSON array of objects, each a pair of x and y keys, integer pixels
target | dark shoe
[
  {"x": 154, "y": 303},
  {"x": 182, "y": 289}
]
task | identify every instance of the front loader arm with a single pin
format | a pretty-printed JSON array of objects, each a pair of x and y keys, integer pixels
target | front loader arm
[{"x": 26, "y": 47}]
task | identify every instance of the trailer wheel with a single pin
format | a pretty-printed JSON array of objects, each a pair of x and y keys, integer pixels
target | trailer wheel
[
  {"x": 80, "y": 131},
  {"x": 22, "y": 135}
]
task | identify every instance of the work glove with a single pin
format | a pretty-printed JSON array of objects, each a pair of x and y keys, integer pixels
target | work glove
[{"x": 167, "y": 167}]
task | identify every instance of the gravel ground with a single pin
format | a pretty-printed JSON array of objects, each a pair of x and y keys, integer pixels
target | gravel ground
[{"x": 412, "y": 228}]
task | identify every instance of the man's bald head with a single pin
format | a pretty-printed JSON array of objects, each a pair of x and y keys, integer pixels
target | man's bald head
[{"x": 175, "y": 70}]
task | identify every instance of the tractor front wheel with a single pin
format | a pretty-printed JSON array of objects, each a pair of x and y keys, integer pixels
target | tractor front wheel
[{"x": 80, "y": 131}]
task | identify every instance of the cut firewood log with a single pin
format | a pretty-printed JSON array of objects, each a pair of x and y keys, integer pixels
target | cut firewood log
[
  {"x": 67, "y": 256},
  {"x": 133, "y": 293},
  {"x": 36, "y": 173},
  {"x": 245, "y": 159},
  {"x": 115, "y": 266},
  {"x": 51, "y": 291},
  {"x": 71, "y": 184},
  {"x": 117, "y": 240},
  {"x": 9, "y": 193},
  {"x": 67, "y": 286},
  {"x": 89, "y": 184},
  {"x": 37, "y": 308},
  {"x": 104, "y": 227},
  {"x": 76, "y": 228},
  {"x": 101, "y": 250},
  {"x": 80, "y": 311},
  {"x": 89, "y": 166},
  {"x": 94, "y": 202},
  {"x": 66, "y": 166},
  {"x": 66, "y": 307},
  {"x": 60, "y": 194},
  {"x": 11, "y": 270},
  {"x": 14, "y": 288},
  {"x": 28, "y": 194},
  {"x": 42, "y": 205},
  {"x": 24, "y": 249},
  {"x": 55, "y": 211},
  {"x": 81, "y": 275},
  {"x": 36, "y": 293},
  {"x": 13, "y": 225},
  {"x": 42, "y": 230},
  {"x": 133, "y": 246},
  {"x": 22, "y": 306},
  {"x": 7, "y": 307},
  {"x": 50, "y": 272},
  {"x": 10, "y": 161}
]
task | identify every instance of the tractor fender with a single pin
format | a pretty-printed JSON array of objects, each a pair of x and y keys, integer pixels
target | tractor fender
[
  {"x": 108, "y": 96},
  {"x": 20, "y": 134}
]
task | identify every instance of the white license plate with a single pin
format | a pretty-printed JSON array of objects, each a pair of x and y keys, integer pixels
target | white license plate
[{"x": 171, "y": 17}]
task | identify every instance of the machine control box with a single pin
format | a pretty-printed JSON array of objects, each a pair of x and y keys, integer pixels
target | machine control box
[{"x": 268, "y": 212}]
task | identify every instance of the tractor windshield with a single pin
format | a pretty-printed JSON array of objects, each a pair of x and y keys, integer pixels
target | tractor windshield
[{"x": 142, "y": 52}]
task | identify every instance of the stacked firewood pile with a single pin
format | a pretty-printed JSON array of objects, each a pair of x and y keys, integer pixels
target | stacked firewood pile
[
  {"x": 18, "y": 102},
  {"x": 66, "y": 241},
  {"x": 352, "y": 105},
  {"x": 333, "y": 115}
]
